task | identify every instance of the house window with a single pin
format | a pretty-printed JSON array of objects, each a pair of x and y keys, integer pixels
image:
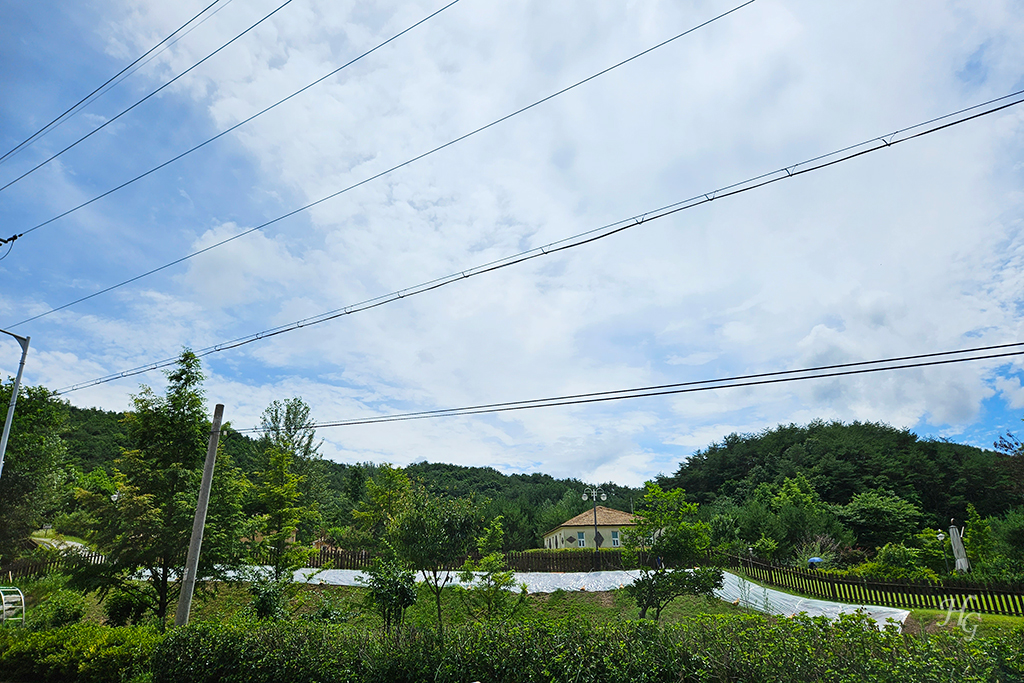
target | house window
[
  {"x": 581, "y": 539},
  {"x": 615, "y": 539}
]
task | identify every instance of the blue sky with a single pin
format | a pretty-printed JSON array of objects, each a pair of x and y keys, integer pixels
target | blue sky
[{"x": 911, "y": 250}]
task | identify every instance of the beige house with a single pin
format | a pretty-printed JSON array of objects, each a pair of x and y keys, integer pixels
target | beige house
[{"x": 578, "y": 532}]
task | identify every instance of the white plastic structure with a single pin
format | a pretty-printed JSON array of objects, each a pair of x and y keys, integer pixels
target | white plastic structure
[{"x": 12, "y": 605}]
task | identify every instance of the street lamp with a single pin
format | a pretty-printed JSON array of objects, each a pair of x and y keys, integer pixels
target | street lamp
[
  {"x": 942, "y": 537},
  {"x": 593, "y": 492},
  {"x": 14, "y": 397}
]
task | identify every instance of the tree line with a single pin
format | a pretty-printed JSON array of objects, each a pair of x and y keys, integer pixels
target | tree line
[
  {"x": 126, "y": 484},
  {"x": 863, "y": 497}
]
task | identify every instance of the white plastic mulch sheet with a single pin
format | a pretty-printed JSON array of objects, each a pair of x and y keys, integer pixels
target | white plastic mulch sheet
[
  {"x": 771, "y": 601},
  {"x": 735, "y": 590}
]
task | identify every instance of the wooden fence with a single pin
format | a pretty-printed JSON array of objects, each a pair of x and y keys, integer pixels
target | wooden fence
[
  {"x": 534, "y": 561},
  {"x": 565, "y": 561},
  {"x": 32, "y": 568},
  {"x": 969, "y": 595}
]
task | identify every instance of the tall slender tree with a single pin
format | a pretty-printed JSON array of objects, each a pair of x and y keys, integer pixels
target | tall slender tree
[
  {"x": 144, "y": 527},
  {"x": 287, "y": 428}
]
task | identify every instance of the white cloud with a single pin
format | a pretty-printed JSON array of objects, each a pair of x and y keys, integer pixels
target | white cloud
[{"x": 912, "y": 249}]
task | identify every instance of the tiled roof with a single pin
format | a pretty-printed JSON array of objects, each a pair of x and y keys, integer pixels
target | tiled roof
[{"x": 605, "y": 517}]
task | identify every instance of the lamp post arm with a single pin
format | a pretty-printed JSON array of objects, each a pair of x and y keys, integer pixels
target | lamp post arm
[{"x": 24, "y": 341}]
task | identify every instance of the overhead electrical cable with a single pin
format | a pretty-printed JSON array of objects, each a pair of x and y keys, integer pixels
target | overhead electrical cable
[
  {"x": 414, "y": 159},
  {"x": 110, "y": 81},
  {"x": 751, "y": 380},
  {"x": 580, "y": 239},
  {"x": 237, "y": 125},
  {"x": 144, "y": 99}
]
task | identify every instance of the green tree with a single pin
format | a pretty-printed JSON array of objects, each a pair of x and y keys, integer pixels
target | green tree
[
  {"x": 1008, "y": 532},
  {"x": 286, "y": 427},
  {"x": 488, "y": 582},
  {"x": 796, "y": 492},
  {"x": 145, "y": 526},
  {"x": 34, "y": 474},
  {"x": 278, "y": 513},
  {"x": 667, "y": 540},
  {"x": 386, "y": 497},
  {"x": 432, "y": 535},
  {"x": 880, "y": 517},
  {"x": 391, "y": 588},
  {"x": 978, "y": 541}
]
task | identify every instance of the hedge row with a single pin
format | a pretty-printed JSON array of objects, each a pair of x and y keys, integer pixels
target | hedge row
[
  {"x": 710, "y": 648},
  {"x": 79, "y": 653}
]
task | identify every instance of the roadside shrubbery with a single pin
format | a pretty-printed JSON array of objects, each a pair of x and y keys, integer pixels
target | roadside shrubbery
[
  {"x": 79, "y": 653},
  {"x": 708, "y": 648},
  {"x": 705, "y": 648}
]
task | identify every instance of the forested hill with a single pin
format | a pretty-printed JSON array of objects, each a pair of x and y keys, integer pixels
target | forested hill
[
  {"x": 94, "y": 437},
  {"x": 839, "y": 460},
  {"x": 530, "y": 503},
  {"x": 842, "y": 460}
]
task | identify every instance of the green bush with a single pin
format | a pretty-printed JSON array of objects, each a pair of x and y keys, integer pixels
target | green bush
[
  {"x": 329, "y": 609},
  {"x": 78, "y": 524},
  {"x": 895, "y": 561},
  {"x": 60, "y": 608},
  {"x": 123, "y": 607},
  {"x": 269, "y": 598},
  {"x": 79, "y": 653},
  {"x": 258, "y": 651}
]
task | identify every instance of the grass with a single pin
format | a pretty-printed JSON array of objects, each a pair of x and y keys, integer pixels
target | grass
[
  {"x": 51, "y": 534},
  {"x": 972, "y": 624},
  {"x": 216, "y": 601},
  {"x": 222, "y": 601}
]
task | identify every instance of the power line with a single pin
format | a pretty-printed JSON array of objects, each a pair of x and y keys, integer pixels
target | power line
[
  {"x": 791, "y": 171},
  {"x": 760, "y": 379},
  {"x": 393, "y": 168},
  {"x": 168, "y": 83},
  {"x": 237, "y": 125},
  {"x": 68, "y": 112}
]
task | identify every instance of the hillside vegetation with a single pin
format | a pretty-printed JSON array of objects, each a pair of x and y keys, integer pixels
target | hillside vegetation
[
  {"x": 841, "y": 460},
  {"x": 864, "y": 496}
]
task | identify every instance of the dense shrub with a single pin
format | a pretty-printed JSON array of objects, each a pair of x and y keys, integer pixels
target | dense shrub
[
  {"x": 60, "y": 608},
  {"x": 703, "y": 649},
  {"x": 248, "y": 650},
  {"x": 79, "y": 653},
  {"x": 895, "y": 561},
  {"x": 77, "y": 523},
  {"x": 329, "y": 609},
  {"x": 123, "y": 607},
  {"x": 708, "y": 648},
  {"x": 269, "y": 597}
]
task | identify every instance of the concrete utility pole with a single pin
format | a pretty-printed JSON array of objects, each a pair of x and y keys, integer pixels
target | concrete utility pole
[
  {"x": 14, "y": 397},
  {"x": 188, "y": 582}
]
